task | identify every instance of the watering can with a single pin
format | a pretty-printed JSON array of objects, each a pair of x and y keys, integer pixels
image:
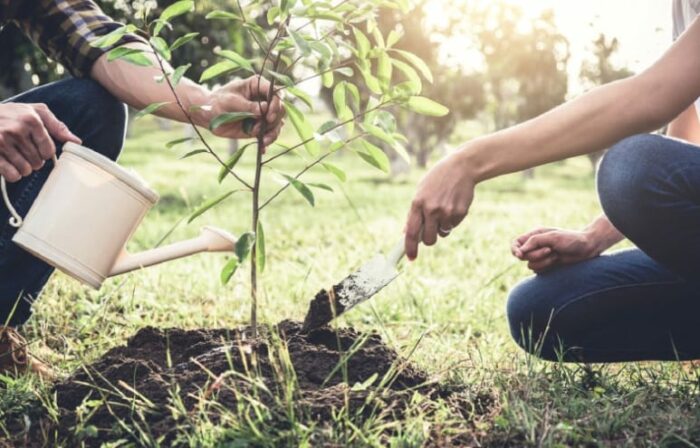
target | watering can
[{"x": 85, "y": 214}]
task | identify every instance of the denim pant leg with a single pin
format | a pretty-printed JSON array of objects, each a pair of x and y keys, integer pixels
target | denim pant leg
[
  {"x": 619, "y": 307},
  {"x": 634, "y": 305},
  {"x": 99, "y": 119},
  {"x": 649, "y": 187}
]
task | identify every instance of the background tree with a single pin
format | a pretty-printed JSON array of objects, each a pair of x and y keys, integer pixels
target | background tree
[{"x": 600, "y": 69}]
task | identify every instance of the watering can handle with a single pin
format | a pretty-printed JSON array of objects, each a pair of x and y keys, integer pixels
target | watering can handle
[{"x": 15, "y": 220}]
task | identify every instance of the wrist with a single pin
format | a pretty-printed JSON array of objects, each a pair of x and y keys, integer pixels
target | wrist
[
  {"x": 198, "y": 103},
  {"x": 474, "y": 161}
]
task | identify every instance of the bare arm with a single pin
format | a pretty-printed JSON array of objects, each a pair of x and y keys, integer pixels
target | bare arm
[
  {"x": 137, "y": 86},
  {"x": 686, "y": 126},
  {"x": 592, "y": 122}
]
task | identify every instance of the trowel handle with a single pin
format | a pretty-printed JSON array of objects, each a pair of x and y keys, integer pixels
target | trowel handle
[{"x": 397, "y": 253}]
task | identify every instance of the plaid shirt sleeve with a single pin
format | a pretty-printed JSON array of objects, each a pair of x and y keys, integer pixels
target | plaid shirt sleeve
[{"x": 64, "y": 30}]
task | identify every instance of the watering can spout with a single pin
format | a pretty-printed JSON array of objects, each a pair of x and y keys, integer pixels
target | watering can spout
[{"x": 211, "y": 239}]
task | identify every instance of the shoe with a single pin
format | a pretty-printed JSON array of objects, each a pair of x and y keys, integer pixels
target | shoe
[{"x": 15, "y": 359}]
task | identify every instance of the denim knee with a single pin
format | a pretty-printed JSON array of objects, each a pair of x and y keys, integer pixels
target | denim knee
[
  {"x": 627, "y": 180},
  {"x": 102, "y": 118},
  {"x": 528, "y": 319}
]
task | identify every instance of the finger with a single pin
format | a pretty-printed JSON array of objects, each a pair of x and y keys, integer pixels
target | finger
[
  {"x": 15, "y": 157},
  {"x": 413, "y": 226},
  {"x": 8, "y": 171},
  {"x": 275, "y": 111},
  {"x": 544, "y": 265},
  {"x": 515, "y": 250},
  {"x": 272, "y": 136},
  {"x": 43, "y": 142},
  {"x": 430, "y": 228},
  {"x": 56, "y": 128},
  {"x": 538, "y": 254},
  {"x": 28, "y": 149},
  {"x": 526, "y": 236},
  {"x": 536, "y": 242},
  {"x": 259, "y": 87}
]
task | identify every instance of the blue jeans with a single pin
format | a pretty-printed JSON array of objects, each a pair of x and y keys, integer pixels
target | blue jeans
[
  {"x": 639, "y": 304},
  {"x": 95, "y": 116}
]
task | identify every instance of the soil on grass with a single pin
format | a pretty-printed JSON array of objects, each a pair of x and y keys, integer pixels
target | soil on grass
[{"x": 137, "y": 383}]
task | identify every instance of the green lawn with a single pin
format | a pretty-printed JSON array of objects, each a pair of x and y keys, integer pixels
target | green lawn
[{"x": 453, "y": 296}]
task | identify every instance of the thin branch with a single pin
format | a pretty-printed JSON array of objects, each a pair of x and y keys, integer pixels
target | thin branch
[
  {"x": 245, "y": 20},
  {"x": 189, "y": 118},
  {"x": 339, "y": 125},
  {"x": 307, "y": 168}
]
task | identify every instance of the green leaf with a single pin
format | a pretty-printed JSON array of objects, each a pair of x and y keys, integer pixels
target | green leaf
[
  {"x": 336, "y": 171},
  {"x": 320, "y": 185},
  {"x": 371, "y": 82},
  {"x": 218, "y": 69},
  {"x": 222, "y": 15},
  {"x": 374, "y": 156},
  {"x": 139, "y": 59},
  {"x": 228, "y": 270},
  {"x": 303, "y": 96},
  {"x": 231, "y": 162},
  {"x": 209, "y": 204},
  {"x": 243, "y": 245},
  {"x": 149, "y": 109},
  {"x": 228, "y": 117},
  {"x": 401, "y": 151},
  {"x": 110, "y": 39},
  {"x": 327, "y": 126},
  {"x": 417, "y": 63},
  {"x": 177, "y": 9},
  {"x": 236, "y": 59},
  {"x": 379, "y": 133},
  {"x": 260, "y": 255},
  {"x": 339, "y": 99},
  {"x": 173, "y": 143},
  {"x": 384, "y": 69},
  {"x": 299, "y": 42},
  {"x": 282, "y": 78},
  {"x": 194, "y": 153},
  {"x": 327, "y": 79},
  {"x": 272, "y": 14},
  {"x": 363, "y": 45},
  {"x": 133, "y": 55},
  {"x": 179, "y": 72},
  {"x": 354, "y": 94},
  {"x": 394, "y": 37},
  {"x": 182, "y": 40},
  {"x": 302, "y": 189},
  {"x": 303, "y": 128},
  {"x": 410, "y": 73},
  {"x": 426, "y": 106},
  {"x": 161, "y": 47}
]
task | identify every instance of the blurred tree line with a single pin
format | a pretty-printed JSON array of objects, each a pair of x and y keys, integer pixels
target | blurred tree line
[{"x": 489, "y": 60}]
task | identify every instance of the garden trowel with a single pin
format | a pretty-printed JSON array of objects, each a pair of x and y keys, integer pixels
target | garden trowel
[{"x": 355, "y": 289}]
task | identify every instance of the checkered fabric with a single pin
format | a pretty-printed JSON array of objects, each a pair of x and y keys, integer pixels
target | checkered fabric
[{"x": 64, "y": 29}]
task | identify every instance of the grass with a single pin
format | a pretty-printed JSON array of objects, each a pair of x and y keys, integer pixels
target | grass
[{"x": 449, "y": 305}]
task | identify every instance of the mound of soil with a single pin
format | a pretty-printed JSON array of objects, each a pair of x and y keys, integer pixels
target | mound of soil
[{"x": 139, "y": 381}]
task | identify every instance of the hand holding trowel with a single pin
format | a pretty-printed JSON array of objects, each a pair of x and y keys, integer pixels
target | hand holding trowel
[{"x": 355, "y": 289}]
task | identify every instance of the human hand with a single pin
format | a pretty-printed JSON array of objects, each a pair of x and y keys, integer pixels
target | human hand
[
  {"x": 26, "y": 132},
  {"x": 441, "y": 203},
  {"x": 546, "y": 248},
  {"x": 247, "y": 95}
]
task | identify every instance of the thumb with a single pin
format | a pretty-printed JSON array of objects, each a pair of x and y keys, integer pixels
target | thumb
[
  {"x": 57, "y": 129},
  {"x": 536, "y": 241}
]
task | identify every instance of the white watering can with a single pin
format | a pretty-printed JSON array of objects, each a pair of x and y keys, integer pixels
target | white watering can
[{"x": 86, "y": 213}]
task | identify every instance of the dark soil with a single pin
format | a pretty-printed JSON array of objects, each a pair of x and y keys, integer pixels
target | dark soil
[
  {"x": 159, "y": 364},
  {"x": 323, "y": 309}
]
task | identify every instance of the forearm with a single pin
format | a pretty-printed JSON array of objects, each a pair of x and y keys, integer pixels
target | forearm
[
  {"x": 602, "y": 235},
  {"x": 597, "y": 119},
  {"x": 138, "y": 87},
  {"x": 590, "y": 123}
]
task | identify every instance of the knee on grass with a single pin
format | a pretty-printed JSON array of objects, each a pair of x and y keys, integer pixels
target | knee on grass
[{"x": 530, "y": 320}]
